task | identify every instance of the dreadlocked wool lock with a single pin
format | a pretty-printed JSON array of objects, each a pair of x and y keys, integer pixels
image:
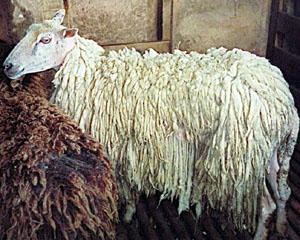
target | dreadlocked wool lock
[{"x": 198, "y": 127}]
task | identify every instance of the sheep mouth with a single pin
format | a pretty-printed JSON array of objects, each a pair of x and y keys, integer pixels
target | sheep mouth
[{"x": 14, "y": 74}]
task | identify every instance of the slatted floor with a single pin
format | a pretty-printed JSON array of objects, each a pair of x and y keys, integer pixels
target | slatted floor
[{"x": 152, "y": 222}]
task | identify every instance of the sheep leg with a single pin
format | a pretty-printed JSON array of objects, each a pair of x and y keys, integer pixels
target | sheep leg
[
  {"x": 281, "y": 191},
  {"x": 280, "y": 165},
  {"x": 268, "y": 207},
  {"x": 130, "y": 211}
]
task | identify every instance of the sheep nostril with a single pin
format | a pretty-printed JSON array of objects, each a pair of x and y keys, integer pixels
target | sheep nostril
[{"x": 8, "y": 66}]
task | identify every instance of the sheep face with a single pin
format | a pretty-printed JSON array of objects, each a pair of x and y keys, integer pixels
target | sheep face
[{"x": 44, "y": 47}]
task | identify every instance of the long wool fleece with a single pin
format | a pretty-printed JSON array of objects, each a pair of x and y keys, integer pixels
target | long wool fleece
[
  {"x": 198, "y": 127},
  {"x": 55, "y": 182}
]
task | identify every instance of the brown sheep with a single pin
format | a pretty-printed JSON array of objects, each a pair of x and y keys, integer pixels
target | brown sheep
[{"x": 55, "y": 182}]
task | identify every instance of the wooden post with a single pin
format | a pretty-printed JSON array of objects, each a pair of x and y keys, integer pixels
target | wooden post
[
  {"x": 167, "y": 21},
  {"x": 297, "y": 8},
  {"x": 272, "y": 28}
]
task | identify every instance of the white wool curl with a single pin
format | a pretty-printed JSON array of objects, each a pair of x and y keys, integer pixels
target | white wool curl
[{"x": 197, "y": 127}]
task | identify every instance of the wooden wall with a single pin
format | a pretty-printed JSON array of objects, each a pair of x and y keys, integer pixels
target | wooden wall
[
  {"x": 192, "y": 25},
  {"x": 284, "y": 40},
  {"x": 202, "y": 24},
  {"x": 284, "y": 52},
  {"x": 105, "y": 21}
]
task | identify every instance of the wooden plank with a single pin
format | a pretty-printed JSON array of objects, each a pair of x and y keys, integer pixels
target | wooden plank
[
  {"x": 272, "y": 28},
  {"x": 292, "y": 235},
  {"x": 295, "y": 205},
  {"x": 162, "y": 224},
  {"x": 297, "y": 147},
  {"x": 295, "y": 192},
  {"x": 294, "y": 221},
  {"x": 295, "y": 165},
  {"x": 288, "y": 26},
  {"x": 167, "y": 20},
  {"x": 159, "y": 46},
  {"x": 48, "y": 8},
  {"x": 296, "y": 94},
  {"x": 144, "y": 221},
  {"x": 159, "y": 19},
  {"x": 209, "y": 228},
  {"x": 192, "y": 225},
  {"x": 297, "y": 8},
  {"x": 294, "y": 178},
  {"x": 286, "y": 61},
  {"x": 172, "y": 215},
  {"x": 3, "y": 23},
  {"x": 287, "y": 23},
  {"x": 133, "y": 231}
]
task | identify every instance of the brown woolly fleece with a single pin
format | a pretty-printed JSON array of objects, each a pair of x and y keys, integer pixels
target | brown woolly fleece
[{"x": 55, "y": 182}]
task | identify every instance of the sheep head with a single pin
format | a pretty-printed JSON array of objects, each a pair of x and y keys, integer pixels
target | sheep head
[{"x": 44, "y": 46}]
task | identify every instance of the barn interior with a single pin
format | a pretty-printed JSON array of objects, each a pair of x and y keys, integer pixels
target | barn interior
[{"x": 268, "y": 28}]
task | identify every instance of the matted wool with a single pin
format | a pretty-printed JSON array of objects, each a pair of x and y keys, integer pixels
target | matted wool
[{"x": 198, "y": 127}]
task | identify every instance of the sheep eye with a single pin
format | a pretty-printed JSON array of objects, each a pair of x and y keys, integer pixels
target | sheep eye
[{"x": 45, "y": 40}]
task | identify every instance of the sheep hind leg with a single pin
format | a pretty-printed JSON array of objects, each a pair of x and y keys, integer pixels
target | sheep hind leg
[
  {"x": 278, "y": 179},
  {"x": 268, "y": 207}
]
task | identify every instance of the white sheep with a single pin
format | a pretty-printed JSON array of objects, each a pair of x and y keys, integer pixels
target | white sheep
[{"x": 209, "y": 129}]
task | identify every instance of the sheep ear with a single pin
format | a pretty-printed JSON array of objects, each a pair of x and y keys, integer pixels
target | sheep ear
[
  {"x": 69, "y": 32},
  {"x": 59, "y": 16}
]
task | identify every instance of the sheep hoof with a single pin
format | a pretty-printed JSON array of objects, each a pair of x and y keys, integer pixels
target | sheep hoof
[
  {"x": 281, "y": 221},
  {"x": 130, "y": 211}
]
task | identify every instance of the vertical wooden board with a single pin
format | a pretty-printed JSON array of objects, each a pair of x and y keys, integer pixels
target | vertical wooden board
[
  {"x": 112, "y": 21},
  {"x": 275, "y": 5},
  {"x": 49, "y": 7},
  {"x": 160, "y": 46},
  {"x": 105, "y": 21},
  {"x": 297, "y": 8},
  {"x": 3, "y": 23},
  {"x": 288, "y": 6},
  {"x": 17, "y": 16},
  {"x": 167, "y": 19},
  {"x": 201, "y": 24}
]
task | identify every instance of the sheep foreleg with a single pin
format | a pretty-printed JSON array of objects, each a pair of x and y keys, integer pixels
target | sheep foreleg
[{"x": 130, "y": 211}]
